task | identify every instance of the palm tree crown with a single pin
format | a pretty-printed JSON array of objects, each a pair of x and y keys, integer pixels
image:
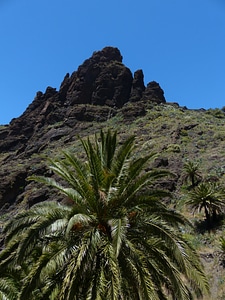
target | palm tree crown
[
  {"x": 116, "y": 241},
  {"x": 210, "y": 197},
  {"x": 191, "y": 173}
]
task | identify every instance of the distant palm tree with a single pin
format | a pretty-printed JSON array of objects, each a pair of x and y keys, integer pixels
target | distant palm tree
[
  {"x": 191, "y": 173},
  {"x": 210, "y": 197},
  {"x": 117, "y": 240}
]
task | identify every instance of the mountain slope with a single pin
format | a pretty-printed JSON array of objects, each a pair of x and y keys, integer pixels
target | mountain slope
[{"x": 103, "y": 94}]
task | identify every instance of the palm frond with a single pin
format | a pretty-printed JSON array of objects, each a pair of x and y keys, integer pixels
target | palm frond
[
  {"x": 33, "y": 278},
  {"x": 121, "y": 157},
  {"x": 9, "y": 288},
  {"x": 106, "y": 148},
  {"x": 119, "y": 228},
  {"x": 77, "y": 222}
]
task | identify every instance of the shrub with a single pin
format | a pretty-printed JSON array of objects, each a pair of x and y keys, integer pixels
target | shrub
[{"x": 174, "y": 148}]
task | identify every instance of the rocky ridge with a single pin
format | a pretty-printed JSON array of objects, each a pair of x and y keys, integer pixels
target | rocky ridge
[
  {"x": 100, "y": 88},
  {"x": 102, "y": 84}
]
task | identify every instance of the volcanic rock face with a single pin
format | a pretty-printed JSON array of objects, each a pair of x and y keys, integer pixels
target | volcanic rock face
[
  {"x": 138, "y": 86},
  {"x": 154, "y": 92},
  {"x": 95, "y": 92},
  {"x": 102, "y": 81}
]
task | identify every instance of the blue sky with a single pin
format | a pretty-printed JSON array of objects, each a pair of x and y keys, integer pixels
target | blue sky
[{"x": 178, "y": 43}]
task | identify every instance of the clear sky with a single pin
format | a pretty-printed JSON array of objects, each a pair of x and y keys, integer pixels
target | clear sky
[{"x": 178, "y": 43}]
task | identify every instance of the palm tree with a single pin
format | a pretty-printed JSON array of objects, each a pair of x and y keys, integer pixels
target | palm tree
[
  {"x": 210, "y": 197},
  {"x": 191, "y": 173},
  {"x": 116, "y": 241}
]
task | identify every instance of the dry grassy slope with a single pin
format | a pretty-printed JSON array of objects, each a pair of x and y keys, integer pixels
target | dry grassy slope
[{"x": 176, "y": 134}]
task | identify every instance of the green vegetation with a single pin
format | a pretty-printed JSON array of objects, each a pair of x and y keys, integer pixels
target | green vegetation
[
  {"x": 112, "y": 238},
  {"x": 197, "y": 136},
  {"x": 173, "y": 148},
  {"x": 191, "y": 173},
  {"x": 216, "y": 112},
  {"x": 209, "y": 197}
]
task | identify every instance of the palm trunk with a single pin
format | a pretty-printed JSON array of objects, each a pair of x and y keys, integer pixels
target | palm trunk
[
  {"x": 192, "y": 181},
  {"x": 208, "y": 218},
  {"x": 214, "y": 215}
]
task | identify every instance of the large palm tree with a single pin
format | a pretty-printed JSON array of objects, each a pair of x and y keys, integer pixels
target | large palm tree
[
  {"x": 209, "y": 197},
  {"x": 115, "y": 239}
]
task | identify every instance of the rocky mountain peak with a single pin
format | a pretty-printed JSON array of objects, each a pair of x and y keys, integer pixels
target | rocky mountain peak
[
  {"x": 107, "y": 54},
  {"x": 100, "y": 80},
  {"x": 99, "y": 87}
]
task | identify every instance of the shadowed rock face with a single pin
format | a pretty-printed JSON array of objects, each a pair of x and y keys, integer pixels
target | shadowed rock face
[
  {"x": 138, "y": 86},
  {"x": 95, "y": 92}
]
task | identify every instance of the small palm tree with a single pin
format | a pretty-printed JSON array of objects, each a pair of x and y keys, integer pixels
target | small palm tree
[
  {"x": 191, "y": 173},
  {"x": 209, "y": 197},
  {"x": 116, "y": 241}
]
